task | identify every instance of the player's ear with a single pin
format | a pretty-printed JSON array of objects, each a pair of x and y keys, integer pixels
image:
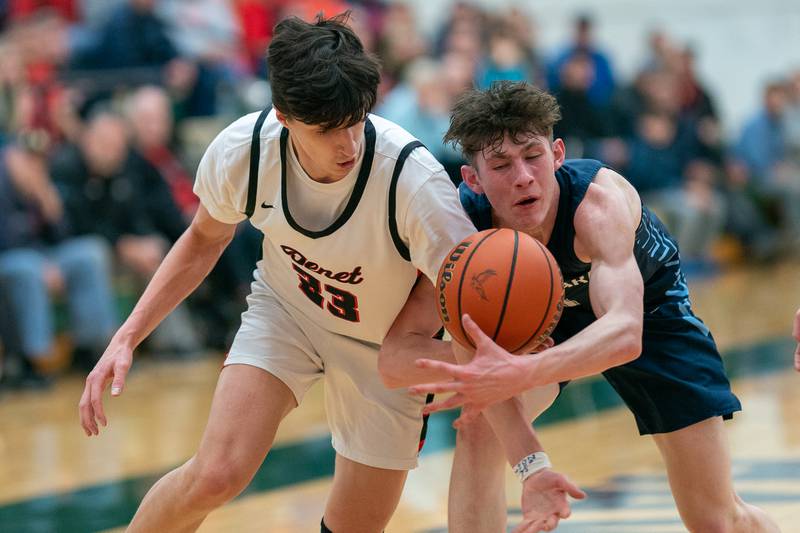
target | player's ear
[
  {"x": 559, "y": 153},
  {"x": 281, "y": 118},
  {"x": 470, "y": 177}
]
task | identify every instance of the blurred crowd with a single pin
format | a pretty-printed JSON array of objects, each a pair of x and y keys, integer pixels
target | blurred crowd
[{"x": 107, "y": 105}]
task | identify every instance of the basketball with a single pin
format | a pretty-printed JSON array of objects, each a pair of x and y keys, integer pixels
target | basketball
[{"x": 508, "y": 282}]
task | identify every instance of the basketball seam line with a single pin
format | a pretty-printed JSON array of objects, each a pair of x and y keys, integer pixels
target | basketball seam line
[
  {"x": 508, "y": 287},
  {"x": 461, "y": 285},
  {"x": 549, "y": 298}
]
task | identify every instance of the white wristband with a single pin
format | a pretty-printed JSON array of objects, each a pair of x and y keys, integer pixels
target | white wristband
[{"x": 530, "y": 464}]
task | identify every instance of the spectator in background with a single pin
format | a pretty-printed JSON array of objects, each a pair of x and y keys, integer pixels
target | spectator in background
[
  {"x": 256, "y": 20},
  {"x": 746, "y": 221},
  {"x": 421, "y": 105},
  {"x": 106, "y": 191},
  {"x": 39, "y": 261},
  {"x": 791, "y": 121},
  {"x": 465, "y": 20},
  {"x": 38, "y": 109},
  {"x": 772, "y": 178},
  {"x": 132, "y": 37},
  {"x": 207, "y": 33},
  {"x": 661, "y": 51},
  {"x": 220, "y": 304},
  {"x": 400, "y": 44},
  {"x": 524, "y": 29},
  {"x": 131, "y": 48},
  {"x": 13, "y": 10},
  {"x": 697, "y": 107},
  {"x": 150, "y": 116},
  {"x": 505, "y": 59},
  {"x": 581, "y": 121},
  {"x": 680, "y": 188},
  {"x": 603, "y": 84}
]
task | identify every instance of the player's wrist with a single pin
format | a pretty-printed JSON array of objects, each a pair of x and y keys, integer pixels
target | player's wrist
[
  {"x": 527, "y": 368},
  {"x": 531, "y": 464}
]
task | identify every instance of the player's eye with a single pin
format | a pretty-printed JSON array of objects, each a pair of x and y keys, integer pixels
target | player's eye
[{"x": 500, "y": 167}]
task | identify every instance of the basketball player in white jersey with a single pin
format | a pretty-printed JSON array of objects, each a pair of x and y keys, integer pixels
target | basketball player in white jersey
[{"x": 352, "y": 208}]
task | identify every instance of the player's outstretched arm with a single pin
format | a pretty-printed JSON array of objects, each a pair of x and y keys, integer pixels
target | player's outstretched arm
[
  {"x": 544, "y": 491},
  {"x": 796, "y": 335},
  {"x": 185, "y": 266},
  {"x": 411, "y": 337},
  {"x": 605, "y": 226}
]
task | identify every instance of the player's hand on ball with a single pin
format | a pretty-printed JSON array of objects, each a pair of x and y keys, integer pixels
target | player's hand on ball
[
  {"x": 545, "y": 502},
  {"x": 112, "y": 368},
  {"x": 493, "y": 375}
]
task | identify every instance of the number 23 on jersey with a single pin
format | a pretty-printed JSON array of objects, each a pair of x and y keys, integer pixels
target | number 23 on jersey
[{"x": 338, "y": 302}]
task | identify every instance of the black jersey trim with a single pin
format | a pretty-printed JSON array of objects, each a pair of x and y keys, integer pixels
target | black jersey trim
[
  {"x": 402, "y": 249},
  {"x": 355, "y": 196},
  {"x": 255, "y": 157}
]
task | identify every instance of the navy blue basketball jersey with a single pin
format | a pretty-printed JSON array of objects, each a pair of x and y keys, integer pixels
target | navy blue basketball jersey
[{"x": 679, "y": 379}]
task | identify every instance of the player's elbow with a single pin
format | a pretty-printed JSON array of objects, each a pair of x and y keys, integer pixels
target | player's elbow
[{"x": 630, "y": 342}]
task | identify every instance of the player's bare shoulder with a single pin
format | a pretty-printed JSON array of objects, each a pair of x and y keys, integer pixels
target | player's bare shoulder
[
  {"x": 610, "y": 197},
  {"x": 610, "y": 211}
]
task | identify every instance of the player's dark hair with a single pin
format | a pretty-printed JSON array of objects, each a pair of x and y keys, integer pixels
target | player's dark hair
[
  {"x": 482, "y": 119},
  {"x": 320, "y": 73}
]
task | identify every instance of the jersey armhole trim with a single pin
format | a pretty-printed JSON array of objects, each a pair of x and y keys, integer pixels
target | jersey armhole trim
[
  {"x": 255, "y": 157},
  {"x": 402, "y": 249}
]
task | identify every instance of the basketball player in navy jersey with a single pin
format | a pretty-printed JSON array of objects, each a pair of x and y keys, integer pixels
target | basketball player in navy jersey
[
  {"x": 627, "y": 315},
  {"x": 352, "y": 208}
]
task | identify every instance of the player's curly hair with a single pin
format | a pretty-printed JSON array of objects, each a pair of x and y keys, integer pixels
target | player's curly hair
[
  {"x": 320, "y": 73},
  {"x": 482, "y": 119}
]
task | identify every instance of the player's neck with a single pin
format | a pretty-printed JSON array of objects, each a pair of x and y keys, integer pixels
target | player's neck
[{"x": 309, "y": 167}]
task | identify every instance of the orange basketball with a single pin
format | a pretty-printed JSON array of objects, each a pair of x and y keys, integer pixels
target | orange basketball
[{"x": 508, "y": 282}]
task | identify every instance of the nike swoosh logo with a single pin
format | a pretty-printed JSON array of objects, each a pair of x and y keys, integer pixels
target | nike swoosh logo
[{"x": 265, "y": 205}]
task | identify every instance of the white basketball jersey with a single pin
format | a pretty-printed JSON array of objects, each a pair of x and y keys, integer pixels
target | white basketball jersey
[{"x": 353, "y": 276}]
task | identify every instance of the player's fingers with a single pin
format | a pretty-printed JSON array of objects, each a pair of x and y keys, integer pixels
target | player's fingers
[
  {"x": 572, "y": 489},
  {"x": 437, "y": 388},
  {"x": 469, "y": 413},
  {"x": 432, "y": 364},
  {"x": 120, "y": 372},
  {"x": 85, "y": 413},
  {"x": 563, "y": 510},
  {"x": 475, "y": 333},
  {"x": 527, "y": 526},
  {"x": 96, "y": 396},
  {"x": 797, "y": 358},
  {"x": 451, "y": 403},
  {"x": 550, "y": 523}
]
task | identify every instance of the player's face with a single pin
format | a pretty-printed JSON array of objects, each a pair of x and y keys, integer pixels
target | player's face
[
  {"x": 325, "y": 155},
  {"x": 519, "y": 180}
]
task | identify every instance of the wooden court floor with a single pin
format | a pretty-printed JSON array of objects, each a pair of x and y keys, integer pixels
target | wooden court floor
[{"x": 54, "y": 479}]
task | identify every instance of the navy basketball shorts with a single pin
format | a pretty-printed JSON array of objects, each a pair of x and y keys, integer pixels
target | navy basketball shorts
[{"x": 678, "y": 380}]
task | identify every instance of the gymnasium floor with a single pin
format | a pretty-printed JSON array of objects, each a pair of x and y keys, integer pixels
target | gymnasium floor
[{"x": 54, "y": 479}]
